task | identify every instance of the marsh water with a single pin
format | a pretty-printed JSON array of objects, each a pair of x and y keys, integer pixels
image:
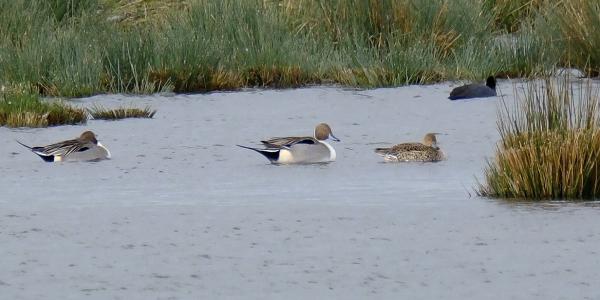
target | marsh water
[{"x": 180, "y": 212}]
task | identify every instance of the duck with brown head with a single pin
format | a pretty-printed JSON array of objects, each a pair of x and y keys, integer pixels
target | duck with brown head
[
  {"x": 324, "y": 132},
  {"x": 427, "y": 151},
  {"x": 84, "y": 148},
  {"x": 300, "y": 149}
]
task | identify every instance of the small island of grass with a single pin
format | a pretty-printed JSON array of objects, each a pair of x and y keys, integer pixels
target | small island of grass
[
  {"x": 550, "y": 145},
  {"x": 99, "y": 112}
]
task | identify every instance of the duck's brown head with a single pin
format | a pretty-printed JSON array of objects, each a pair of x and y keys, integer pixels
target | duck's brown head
[
  {"x": 430, "y": 140},
  {"x": 88, "y": 137},
  {"x": 323, "y": 132}
]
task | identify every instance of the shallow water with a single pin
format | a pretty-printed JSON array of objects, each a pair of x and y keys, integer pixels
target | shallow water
[{"x": 179, "y": 212}]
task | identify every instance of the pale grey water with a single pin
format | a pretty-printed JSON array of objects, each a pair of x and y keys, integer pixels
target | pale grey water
[{"x": 181, "y": 213}]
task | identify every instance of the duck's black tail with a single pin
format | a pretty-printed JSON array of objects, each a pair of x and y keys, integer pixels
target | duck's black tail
[
  {"x": 271, "y": 154},
  {"x": 30, "y": 148},
  {"x": 37, "y": 150}
]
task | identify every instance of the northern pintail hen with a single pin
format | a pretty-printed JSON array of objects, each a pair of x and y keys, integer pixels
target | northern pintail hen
[
  {"x": 428, "y": 151},
  {"x": 475, "y": 90},
  {"x": 305, "y": 149},
  {"x": 85, "y": 147}
]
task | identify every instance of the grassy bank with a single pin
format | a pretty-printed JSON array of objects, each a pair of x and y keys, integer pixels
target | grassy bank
[
  {"x": 550, "y": 145},
  {"x": 21, "y": 107},
  {"x": 25, "y": 109},
  {"x": 77, "y": 48}
]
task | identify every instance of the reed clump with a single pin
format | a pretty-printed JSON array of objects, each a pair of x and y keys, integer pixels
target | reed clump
[
  {"x": 550, "y": 144},
  {"x": 99, "y": 112},
  {"x": 25, "y": 109}
]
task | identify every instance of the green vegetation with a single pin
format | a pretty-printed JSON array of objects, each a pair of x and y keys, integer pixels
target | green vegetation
[
  {"x": 550, "y": 145},
  {"x": 99, "y": 112},
  {"x": 578, "y": 23},
  {"x": 24, "y": 109},
  {"x": 76, "y": 48},
  {"x": 512, "y": 15}
]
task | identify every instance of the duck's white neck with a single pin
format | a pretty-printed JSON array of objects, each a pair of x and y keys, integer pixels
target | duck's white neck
[
  {"x": 332, "y": 154},
  {"x": 107, "y": 154}
]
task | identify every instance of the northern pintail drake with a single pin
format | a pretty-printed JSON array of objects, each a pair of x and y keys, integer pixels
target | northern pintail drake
[
  {"x": 428, "y": 151},
  {"x": 305, "y": 149},
  {"x": 84, "y": 148},
  {"x": 475, "y": 90}
]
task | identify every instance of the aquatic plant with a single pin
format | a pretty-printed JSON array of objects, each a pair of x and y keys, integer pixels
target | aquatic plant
[
  {"x": 24, "y": 109},
  {"x": 550, "y": 144},
  {"x": 99, "y": 112}
]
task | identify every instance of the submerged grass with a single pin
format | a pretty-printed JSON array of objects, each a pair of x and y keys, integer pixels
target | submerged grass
[
  {"x": 22, "y": 109},
  {"x": 77, "y": 48},
  {"x": 100, "y": 112},
  {"x": 550, "y": 145}
]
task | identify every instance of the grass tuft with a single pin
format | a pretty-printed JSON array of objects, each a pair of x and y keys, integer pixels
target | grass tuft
[
  {"x": 550, "y": 145},
  {"x": 100, "y": 113},
  {"x": 24, "y": 109}
]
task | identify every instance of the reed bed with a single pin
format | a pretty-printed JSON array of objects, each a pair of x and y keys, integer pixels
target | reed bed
[
  {"x": 78, "y": 48},
  {"x": 550, "y": 144},
  {"x": 99, "y": 112}
]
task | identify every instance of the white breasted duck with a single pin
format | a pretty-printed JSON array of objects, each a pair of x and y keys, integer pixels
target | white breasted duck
[
  {"x": 290, "y": 150},
  {"x": 84, "y": 148}
]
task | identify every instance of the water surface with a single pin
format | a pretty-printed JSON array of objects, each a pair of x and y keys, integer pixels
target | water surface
[{"x": 180, "y": 212}]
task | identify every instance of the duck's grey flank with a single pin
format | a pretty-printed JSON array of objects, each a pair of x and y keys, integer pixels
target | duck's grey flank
[{"x": 85, "y": 147}]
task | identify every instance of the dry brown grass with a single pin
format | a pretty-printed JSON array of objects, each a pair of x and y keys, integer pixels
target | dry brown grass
[
  {"x": 99, "y": 112},
  {"x": 136, "y": 12}
]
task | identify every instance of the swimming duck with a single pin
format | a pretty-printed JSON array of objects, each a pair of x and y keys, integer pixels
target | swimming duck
[
  {"x": 475, "y": 90},
  {"x": 85, "y": 147},
  {"x": 428, "y": 151},
  {"x": 290, "y": 150}
]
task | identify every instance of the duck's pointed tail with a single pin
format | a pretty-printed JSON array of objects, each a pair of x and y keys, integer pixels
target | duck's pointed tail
[
  {"x": 37, "y": 151},
  {"x": 30, "y": 148},
  {"x": 271, "y": 154}
]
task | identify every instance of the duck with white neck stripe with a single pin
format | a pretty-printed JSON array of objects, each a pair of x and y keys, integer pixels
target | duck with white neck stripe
[
  {"x": 84, "y": 148},
  {"x": 305, "y": 149}
]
